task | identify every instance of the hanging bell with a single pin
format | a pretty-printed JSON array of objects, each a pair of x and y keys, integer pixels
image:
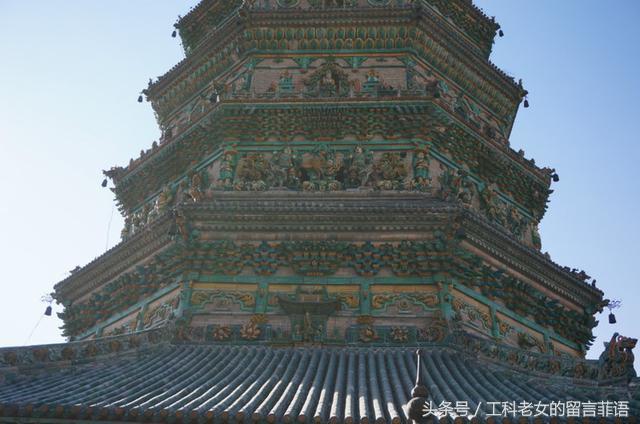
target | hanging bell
[
  {"x": 47, "y": 311},
  {"x": 556, "y": 178},
  {"x": 174, "y": 33},
  {"x": 501, "y": 33},
  {"x": 104, "y": 182},
  {"x": 526, "y": 103},
  {"x": 140, "y": 98},
  {"x": 612, "y": 318}
]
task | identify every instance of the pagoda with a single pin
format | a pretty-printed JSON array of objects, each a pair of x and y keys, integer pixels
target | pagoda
[{"x": 333, "y": 188}]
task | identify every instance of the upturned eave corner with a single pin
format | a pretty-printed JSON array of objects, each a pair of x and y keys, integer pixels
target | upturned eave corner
[{"x": 119, "y": 258}]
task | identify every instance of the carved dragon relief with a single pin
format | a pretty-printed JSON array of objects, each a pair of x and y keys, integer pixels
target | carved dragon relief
[
  {"x": 160, "y": 313},
  {"x": 467, "y": 313},
  {"x": 222, "y": 300},
  {"x": 405, "y": 302}
]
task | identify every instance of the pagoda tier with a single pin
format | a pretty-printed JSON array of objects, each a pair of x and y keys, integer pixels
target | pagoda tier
[
  {"x": 387, "y": 258},
  {"x": 503, "y": 179}
]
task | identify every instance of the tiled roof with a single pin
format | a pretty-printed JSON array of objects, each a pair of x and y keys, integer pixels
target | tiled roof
[{"x": 179, "y": 383}]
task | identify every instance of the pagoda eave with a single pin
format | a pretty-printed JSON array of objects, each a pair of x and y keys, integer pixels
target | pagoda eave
[
  {"x": 120, "y": 258},
  {"x": 279, "y": 216},
  {"x": 293, "y": 18},
  {"x": 216, "y": 129}
]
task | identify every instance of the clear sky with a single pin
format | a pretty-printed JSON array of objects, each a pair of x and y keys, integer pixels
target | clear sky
[{"x": 70, "y": 73}]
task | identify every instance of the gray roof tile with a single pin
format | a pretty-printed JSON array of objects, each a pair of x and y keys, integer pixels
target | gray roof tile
[{"x": 267, "y": 384}]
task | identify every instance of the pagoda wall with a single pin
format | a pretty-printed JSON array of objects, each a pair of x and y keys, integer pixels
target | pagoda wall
[
  {"x": 384, "y": 309},
  {"x": 417, "y": 167}
]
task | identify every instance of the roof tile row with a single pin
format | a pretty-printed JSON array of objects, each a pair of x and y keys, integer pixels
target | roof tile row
[{"x": 255, "y": 383}]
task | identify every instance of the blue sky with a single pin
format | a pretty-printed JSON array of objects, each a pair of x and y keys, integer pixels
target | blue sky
[{"x": 72, "y": 70}]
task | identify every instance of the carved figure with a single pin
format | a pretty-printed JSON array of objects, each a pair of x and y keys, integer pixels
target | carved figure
[
  {"x": 373, "y": 85},
  {"x": 285, "y": 173},
  {"x": 322, "y": 167},
  {"x": 535, "y": 237},
  {"x": 227, "y": 168},
  {"x": 446, "y": 183},
  {"x": 285, "y": 83},
  {"x": 527, "y": 341},
  {"x": 457, "y": 185},
  {"x": 389, "y": 171},
  {"x": 293, "y": 175},
  {"x": 144, "y": 214},
  {"x": 359, "y": 168},
  {"x": 333, "y": 167},
  {"x": 443, "y": 92},
  {"x": 253, "y": 173},
  {"x": 153, "y": 211},
  {"x": 164, "y": 200},
  {"x": 516, "y": 223},
  {"x": 219, "y": 91},
  {"x": 464, "y": 187},
  {"x": 195, "y": 187},
  {"x": 329, "y": 80},
  {"x": 136, "y": 222},
  {"x": 410, "y": 76},
  {"x": 372, "y": 77},
  {"x": 421, "y": 178},
  {"x": 127, "y": 229},
  {"x": 490, "y": 203},
  {"x": 461, "y": 107},
  {"x": 328, "y": 84},
  {"x": 617, "y": 359}
]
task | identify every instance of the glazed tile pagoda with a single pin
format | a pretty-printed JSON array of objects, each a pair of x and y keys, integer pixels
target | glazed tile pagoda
[{"x": 334, "y": 187}]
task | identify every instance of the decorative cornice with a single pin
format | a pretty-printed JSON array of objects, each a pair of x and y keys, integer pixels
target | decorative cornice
[
  {"x": 293, "y": 18},
  {"x": 310, "y": 219},
  {"x": 388, "y": 212},
  {"x": 499, "y": 243},
  {"x": 408, "y": 209},
  {"x": 30, "y": 359},
  {"x": 33, "y": 358},
  {"x": 465, "y": 17},
  {"x": 418, "y": 116},
  {"x": 115, "y": 261}
]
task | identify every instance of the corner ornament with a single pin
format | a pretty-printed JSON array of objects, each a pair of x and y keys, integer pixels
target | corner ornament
[{"x": 617, "y": 359}]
